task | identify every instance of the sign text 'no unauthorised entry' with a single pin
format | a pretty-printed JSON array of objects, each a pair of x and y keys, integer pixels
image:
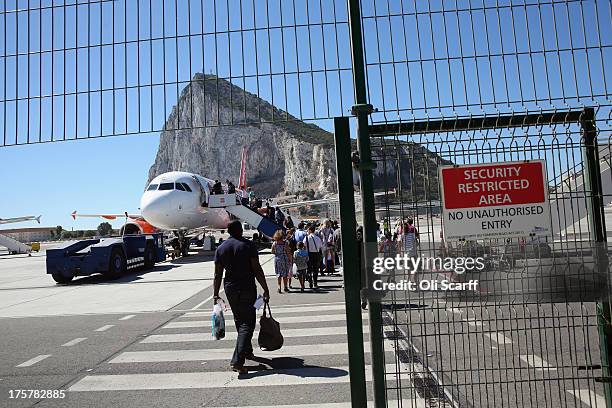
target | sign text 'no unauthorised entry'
[{"x": 496, "y": 200}]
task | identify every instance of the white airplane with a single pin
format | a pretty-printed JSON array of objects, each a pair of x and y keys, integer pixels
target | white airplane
[
  {"x": 179, "y": 201},
  {"x": 20, "y": 219}
]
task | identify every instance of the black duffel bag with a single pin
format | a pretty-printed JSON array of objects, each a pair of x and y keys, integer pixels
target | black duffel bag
[{"x": 270, "y": 336}]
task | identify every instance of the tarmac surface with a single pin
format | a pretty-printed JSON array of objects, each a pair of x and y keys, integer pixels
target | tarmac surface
[{"x": 144, "y": 340}]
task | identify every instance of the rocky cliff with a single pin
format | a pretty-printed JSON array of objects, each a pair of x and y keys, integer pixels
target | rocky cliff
[
  {"x": 207, "y": 129},
  {"x": 214, "y": 119}
]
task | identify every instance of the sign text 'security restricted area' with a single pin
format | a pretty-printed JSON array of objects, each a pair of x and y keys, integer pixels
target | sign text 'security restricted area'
[{"x": 496, "y": 200}]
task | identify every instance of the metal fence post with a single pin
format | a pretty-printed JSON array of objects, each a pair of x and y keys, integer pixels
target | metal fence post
[
  {"x": 361, "y": 110},
  {"x": 350, "y": 264},
  {"x": 598, "y": 236}
]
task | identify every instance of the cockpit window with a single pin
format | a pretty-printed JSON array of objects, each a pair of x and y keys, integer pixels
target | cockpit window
[
  {"x": 187, "y": 188},
  {"x": 179, "y": 186},
  {"x": 166, "y": 186},
  {"x": 152, "y": 187}
]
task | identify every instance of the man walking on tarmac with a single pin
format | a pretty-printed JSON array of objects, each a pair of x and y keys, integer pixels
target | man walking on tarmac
[
  {"x": 313, "y": 245},
  {"x": 239, "y": 258}
]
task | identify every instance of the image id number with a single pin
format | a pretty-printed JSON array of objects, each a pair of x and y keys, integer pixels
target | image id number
[{"x": 45, "y": 394}]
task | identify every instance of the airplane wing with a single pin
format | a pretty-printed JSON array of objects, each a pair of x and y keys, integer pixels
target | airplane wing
[
  {"x": 20, "y": 219},
  {"x": 305, "y": 203},
  {"x": 323, "y": 201},
  {"x": 74, "y": 215}
]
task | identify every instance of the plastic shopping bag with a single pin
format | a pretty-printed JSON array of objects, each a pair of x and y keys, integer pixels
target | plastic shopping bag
[
  {"x": 218, "y": 320},
  {"x": 259, "y": 302}
]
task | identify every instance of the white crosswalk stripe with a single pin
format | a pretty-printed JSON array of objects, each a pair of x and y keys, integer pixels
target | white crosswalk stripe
[
  {"x": 405, "y": 403},
  {"x": 302, "y": 361},
  {"x": 589, "y": 397},
  {"x": 537, "y": 363},
  {"x": 280, "y": 311},
  {"x": 231, "y": 335},
  {"x": 221, "y": 379},
  {"x": 281, "y": 319},
  {"x": 156, "y": 356}
]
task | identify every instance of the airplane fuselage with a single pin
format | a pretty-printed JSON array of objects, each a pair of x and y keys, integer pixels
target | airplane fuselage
[{"x": 174, "y": 201}]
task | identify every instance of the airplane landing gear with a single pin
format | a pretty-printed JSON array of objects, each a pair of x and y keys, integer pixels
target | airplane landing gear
[
  {"x": 185, "y": 247},
  {"x": 183, "y": 244},
  {"x": 180, "y": 245}
]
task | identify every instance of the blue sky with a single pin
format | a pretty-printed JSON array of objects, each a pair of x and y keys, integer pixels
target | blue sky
[
  {"x": 92, "y": 68},
  {"x": 54, "y": 179}
]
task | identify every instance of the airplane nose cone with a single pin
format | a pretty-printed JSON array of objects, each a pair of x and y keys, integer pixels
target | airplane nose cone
[{"x": 154, "y": 208}]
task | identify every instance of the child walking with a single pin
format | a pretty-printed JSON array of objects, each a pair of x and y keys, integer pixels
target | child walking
[{"x": 300, "y": 258}]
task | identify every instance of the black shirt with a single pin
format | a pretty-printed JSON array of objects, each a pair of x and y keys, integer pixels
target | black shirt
[{"x": 235, "y": 255}]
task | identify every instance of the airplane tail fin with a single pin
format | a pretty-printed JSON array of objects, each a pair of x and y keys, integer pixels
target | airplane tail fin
[
  {"x": 73, "y": 214},
  {"x": 242, "y": 178},
  {"x": 38, "y": 219}
]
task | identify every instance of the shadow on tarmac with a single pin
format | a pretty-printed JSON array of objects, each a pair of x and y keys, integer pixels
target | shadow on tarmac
[
  {"x": 192, "y": 259},
  {"x": 268, "y": 365},
  {"x": 403, "y": 306}
]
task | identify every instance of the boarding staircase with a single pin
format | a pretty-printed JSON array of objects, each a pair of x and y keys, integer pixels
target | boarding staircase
[
  {"x": 231, "y": 203},
  {"x": 568, "y": 198},
  {"x": 14, "y": 246}
]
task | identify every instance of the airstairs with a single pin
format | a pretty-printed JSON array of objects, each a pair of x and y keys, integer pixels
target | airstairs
[
  {"x": 14, "y": 246},
  {"x": 231, "y": 203},
  {"x": 568, "y": 200}
]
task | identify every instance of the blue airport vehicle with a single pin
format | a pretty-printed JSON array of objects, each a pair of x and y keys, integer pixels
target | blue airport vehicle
[{"x": 111, "y": 257}]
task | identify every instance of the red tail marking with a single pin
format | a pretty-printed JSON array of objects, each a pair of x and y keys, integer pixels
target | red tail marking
[{"x": 242, "y": 178}]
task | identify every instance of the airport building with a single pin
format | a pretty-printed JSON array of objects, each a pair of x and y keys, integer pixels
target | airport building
[{"x": 31, "y": 234}]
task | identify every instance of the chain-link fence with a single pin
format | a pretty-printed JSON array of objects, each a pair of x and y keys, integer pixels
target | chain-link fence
[
  {"x": 527, "y": 334},
  {"x": 76, "y": 69},
  {"x": 79, "y": 69},
  {"x": 477, "y": 83}
]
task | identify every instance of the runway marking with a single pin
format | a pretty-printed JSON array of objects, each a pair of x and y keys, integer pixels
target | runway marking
[
  {"x": 537, "y": 362},
  {"x": 281, "y": 319},
  {"x": 310, "y": 304},
  {"x": 279, "y": 310},
  {"x": 221, "y": 379},
  {"x": 158, "y": 356},
  {"x": 128, "y": 317},
  {"x": 498, "y": 338},
  {"x": 473, "y": 322},
  {"x": 207, "y": 336},
  {"x": 75, "y": 341},
  {"x": 208, "y": 299},
  {"x": 589, "y": 397},
  {"x": 34, "y": 360},
  {"x": 104, "y": 328},
  {"x": 412, "y": 368}
]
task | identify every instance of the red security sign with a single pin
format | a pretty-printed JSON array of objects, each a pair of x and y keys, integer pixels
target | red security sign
[
  {"x": 495, "y": 200},
  {"x": 493, "y": 185}
]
